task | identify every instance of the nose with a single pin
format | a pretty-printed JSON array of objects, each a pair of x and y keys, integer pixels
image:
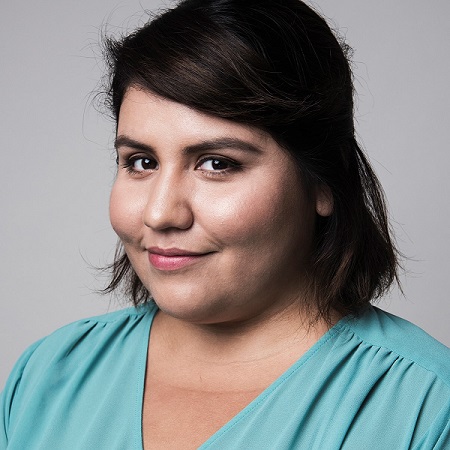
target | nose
[{"x": 168, "y": 204}]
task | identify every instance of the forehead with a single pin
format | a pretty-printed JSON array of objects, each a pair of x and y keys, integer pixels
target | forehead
[{"x": 144, "y": 114}]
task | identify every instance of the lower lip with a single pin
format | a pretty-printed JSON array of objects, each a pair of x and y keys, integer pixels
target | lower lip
[{"x": 163, "y": 262}]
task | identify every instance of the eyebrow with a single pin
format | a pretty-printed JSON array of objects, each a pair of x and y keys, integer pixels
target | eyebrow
[{"x": 199, "y": 147}]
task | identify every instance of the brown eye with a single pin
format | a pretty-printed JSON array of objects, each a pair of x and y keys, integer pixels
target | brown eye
[
  {"x": 215, "y": 164},
  {"x": 142, "y": 164}
]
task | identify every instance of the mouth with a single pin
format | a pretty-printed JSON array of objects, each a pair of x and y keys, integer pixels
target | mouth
[{"x": 173, "y": 258}]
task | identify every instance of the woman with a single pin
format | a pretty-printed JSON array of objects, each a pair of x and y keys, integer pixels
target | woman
[{"x": 254, "y": 237}]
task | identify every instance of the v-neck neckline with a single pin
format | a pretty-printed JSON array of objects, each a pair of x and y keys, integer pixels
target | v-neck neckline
[{"x": 243, "y": 413}]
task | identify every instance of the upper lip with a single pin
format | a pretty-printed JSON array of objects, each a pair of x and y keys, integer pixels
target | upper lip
[{"x": 174, "y": 252}]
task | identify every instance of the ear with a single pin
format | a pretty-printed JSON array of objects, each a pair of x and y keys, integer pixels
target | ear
[{"x": 324, "y": 200}]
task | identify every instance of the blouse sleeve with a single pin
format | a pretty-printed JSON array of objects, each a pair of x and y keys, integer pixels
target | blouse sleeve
[{"x": 8, "y": 394}]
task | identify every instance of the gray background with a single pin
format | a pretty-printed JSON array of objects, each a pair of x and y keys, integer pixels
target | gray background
[{"x": 57, "y": 166}]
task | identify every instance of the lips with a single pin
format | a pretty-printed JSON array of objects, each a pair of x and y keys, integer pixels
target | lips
[{"x": 173, "y": 258}]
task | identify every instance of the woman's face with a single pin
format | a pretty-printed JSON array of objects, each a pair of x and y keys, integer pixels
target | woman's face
[{"x": 211, "y": 213}]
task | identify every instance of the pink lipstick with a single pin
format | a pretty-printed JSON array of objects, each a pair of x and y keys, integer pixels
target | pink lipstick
[{"x": 172, "y": 258}]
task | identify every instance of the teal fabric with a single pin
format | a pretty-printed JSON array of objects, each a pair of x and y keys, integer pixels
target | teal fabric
[{"x": 373, "y": 382}]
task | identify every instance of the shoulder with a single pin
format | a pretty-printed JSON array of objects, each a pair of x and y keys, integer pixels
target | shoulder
[
  {"x": 80, "y": 342},
  {"x": 389, "y": 371},
  {"x": 402, "y": 339},
  {"x": 90, "y": 332},
  {"x": 72, "y": 369}
]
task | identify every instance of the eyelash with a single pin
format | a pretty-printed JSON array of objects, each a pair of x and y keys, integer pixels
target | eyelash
[
  {"x": 233, "y": 166},
  {"x": 130, "y": 161}
]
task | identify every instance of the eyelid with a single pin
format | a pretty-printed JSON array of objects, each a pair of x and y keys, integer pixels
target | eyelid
[
  {"x": 232, "y": 165},
  {"x": 226, "y": 159},
  {"x": 124, "y": 152},
  {"x": 132, "y": 158}
]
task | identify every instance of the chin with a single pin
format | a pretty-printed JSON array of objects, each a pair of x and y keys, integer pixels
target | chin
[
  {"x": 191, "y": 309},
  {"x": 200, "y": 315}
]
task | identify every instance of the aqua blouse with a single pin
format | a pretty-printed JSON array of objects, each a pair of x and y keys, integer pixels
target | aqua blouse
[{"x": 373, "y": 382}]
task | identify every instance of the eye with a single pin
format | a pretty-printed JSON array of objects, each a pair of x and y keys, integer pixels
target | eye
[
  {"x": 215, "y": 164},
  {"x": 139, "y": 164}
]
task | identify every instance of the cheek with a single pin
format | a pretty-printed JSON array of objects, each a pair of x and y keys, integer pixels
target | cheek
[
  {"x": 257, "y": 214},
  {"x": 125, "y": 212}
]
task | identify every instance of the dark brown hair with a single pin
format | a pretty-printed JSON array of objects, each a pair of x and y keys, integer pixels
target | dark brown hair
[{"x": 276, "y": 65}]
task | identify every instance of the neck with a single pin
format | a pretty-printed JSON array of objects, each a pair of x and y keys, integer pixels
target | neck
[{"x": 264, "y": 337}]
